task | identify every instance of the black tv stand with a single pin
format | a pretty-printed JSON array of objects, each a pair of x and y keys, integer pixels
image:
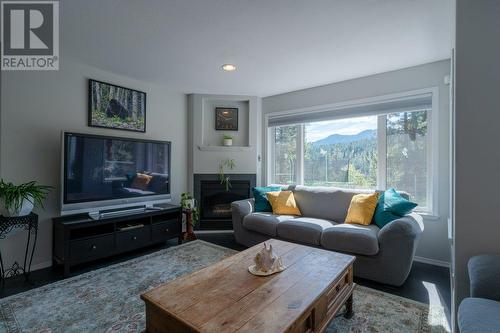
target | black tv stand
[{"x": 79, "y": 239}]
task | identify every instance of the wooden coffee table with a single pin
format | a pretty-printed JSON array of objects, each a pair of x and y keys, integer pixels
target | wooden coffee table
[{"x": 225, "y": 297}]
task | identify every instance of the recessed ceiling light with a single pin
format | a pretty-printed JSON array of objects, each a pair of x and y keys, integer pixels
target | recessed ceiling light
[{"x": 229, "y": 67}]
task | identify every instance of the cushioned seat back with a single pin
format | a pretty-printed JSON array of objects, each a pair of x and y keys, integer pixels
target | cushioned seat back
[{"x": 329, "y": 203}]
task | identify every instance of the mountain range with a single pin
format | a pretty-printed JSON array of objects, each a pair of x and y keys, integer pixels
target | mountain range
[{"x": 341, "y": 138}]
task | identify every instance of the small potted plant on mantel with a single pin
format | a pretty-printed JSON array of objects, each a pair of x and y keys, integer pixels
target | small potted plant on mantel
[
  {"x": 20, "y": 200},
  {"x": 227, "y": 140}
]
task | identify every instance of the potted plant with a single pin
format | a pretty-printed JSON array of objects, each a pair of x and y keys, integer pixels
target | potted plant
[
  {"x": 188, "y": 204},
  {"x": 226, "y": 180},
  {"x": 227, "y": 140},
  {"x": 19, "y": 200}
]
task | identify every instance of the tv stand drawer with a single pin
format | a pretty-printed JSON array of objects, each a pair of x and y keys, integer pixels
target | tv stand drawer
[
  {"x": 93, "y": 248},
  {"x": 165, "y": 230},
  {"x": 133, "y": 239}
]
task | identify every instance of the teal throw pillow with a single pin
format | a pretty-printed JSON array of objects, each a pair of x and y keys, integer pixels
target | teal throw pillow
[
  {"x": 261, "y": 202},
  {"x": 390, "y": 206}
]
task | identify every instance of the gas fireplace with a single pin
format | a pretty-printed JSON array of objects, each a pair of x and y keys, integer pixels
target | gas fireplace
[{"x": 214, "y": 199}]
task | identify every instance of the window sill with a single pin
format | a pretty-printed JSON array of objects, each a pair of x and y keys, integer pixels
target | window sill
[{"x": 428, "y": 216}]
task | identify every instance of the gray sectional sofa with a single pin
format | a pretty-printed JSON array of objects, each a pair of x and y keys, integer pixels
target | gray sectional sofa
[{"x": 383, "y": 255}]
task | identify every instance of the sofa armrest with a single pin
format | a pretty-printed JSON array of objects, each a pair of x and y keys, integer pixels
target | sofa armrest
[
  {"x": 240, "y": 209},
  {"x": 408, "y": 226},
  {"x": 484, "y": 273},
  {"x": 243, "y": 207},
  {"x": 398, "y": 242}
]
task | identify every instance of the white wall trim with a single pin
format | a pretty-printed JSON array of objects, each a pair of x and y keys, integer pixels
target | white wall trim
[
  {"x": 300, "y": 155},
  {"x": 269, "y": 145},
  {"x": 434, "y": 262},
  {"x": 382, "y": 151},
  {"x": 433, "y": 155}
]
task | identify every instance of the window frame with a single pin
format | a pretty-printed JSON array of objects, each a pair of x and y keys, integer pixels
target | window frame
[{"x": 432, "y": 141}]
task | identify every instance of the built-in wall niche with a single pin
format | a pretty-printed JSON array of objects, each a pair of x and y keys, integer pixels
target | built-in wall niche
[
  {"x": 212, "y": 137},
  {"x": 206, "y": 147}
]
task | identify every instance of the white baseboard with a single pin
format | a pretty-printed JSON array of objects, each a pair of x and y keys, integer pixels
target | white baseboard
[{"x": 434, "y": 262}]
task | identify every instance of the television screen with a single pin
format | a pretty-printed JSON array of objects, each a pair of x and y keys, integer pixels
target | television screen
[{"x": 100, "y": 168}]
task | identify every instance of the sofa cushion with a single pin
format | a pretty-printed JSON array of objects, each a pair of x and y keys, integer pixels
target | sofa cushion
[
  {"x": 327, "y": 203},
  {"x": 391, "y": 206},
  {"x": 261, "y": 202},
  {"x": 362, "y": 208},
  {"x": 265, "y": 223},
  {"x": 478, "y": 315},
  {"x": 352, "y": 238},
  {"x": 303, "y": 229},
  {"x": 283, "y": 203}
]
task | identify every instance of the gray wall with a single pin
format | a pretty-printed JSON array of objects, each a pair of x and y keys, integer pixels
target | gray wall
[
  {"x": 477, "y": 134},
  {"x": 434, "y": 244},
  {"x": 37, "y": 106}
]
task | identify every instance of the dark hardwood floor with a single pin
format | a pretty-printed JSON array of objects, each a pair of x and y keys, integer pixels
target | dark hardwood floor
[{"x": 427, "y": 283}]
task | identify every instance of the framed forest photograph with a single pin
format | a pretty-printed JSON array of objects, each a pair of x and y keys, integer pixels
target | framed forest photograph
[
  {"x": 226, "y": 119},
  {"x": 112, "y": 106}
]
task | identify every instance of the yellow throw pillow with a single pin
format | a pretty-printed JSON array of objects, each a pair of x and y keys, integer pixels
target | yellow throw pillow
[
  {"x": 283, "y": 203},
  {"x": 362, "y": 208}
]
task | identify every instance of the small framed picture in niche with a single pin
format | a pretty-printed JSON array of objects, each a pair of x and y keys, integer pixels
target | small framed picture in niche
[{"x": 226, "y": 119}]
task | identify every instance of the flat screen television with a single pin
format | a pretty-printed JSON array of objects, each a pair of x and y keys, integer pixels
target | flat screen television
[{"x": 101, "y": 172}]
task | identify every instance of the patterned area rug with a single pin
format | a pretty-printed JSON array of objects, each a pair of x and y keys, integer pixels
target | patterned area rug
[
  {"x": 107, "y": 299},
  {"x": 376, "y": 311}
]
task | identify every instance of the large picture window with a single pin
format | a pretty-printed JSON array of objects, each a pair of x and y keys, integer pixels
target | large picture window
[
  {"x": 362, "y": 152},
  {"x": 341, "y": 153}
]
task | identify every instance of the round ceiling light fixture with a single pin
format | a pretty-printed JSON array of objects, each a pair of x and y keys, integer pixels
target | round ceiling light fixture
[{"x": 228, "y": 67}]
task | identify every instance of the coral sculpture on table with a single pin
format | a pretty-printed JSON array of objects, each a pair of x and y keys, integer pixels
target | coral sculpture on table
[{"x": 267, "y": 262}]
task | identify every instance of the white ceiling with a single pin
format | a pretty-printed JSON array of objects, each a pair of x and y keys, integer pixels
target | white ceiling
[{"x": 278, "y": 45}]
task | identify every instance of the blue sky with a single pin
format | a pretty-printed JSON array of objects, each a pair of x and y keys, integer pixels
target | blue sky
[{"x": 319, "y": 130}]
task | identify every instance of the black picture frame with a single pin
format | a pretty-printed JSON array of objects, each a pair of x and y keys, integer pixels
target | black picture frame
[
  {"x": 226, "y": 119},
  {"x": 115, "y": 115}
]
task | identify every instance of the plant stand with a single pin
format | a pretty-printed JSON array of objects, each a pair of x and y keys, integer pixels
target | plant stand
[
  {"x": 30, "y": 224},
  {"x": 189, "y": 234}
]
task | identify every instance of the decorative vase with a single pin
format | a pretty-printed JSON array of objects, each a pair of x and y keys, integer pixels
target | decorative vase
[
  {"x": 25, "y": 209},
  {"x": 228, "y": 142}
]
